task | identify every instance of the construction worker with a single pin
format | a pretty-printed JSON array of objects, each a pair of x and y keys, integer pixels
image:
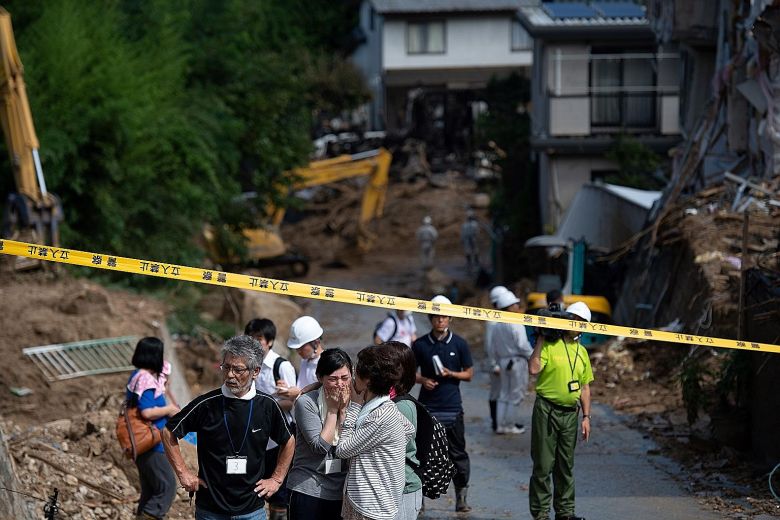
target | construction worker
[
  {"x": 469, "y": 233},
  {"x": 562, "y": 389},
  {"x": 306, "y": 339},
  {"x": 426, "y": 236},
  {"x": 494, "y": 369},
  {"x": 510, "y": 346},
  {"x": 445, "y": 360}
]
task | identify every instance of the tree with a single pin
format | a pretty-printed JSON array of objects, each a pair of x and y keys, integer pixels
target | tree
[
  {"x": 515, "y": 204},
  {"x": 153, "y": 115}
]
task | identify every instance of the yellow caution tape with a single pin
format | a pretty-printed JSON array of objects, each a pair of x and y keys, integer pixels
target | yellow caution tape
[{"x": 334, "y": 294}]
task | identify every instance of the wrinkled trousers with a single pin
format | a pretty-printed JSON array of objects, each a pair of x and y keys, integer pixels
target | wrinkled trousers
[{"x": 553, "y": 439}]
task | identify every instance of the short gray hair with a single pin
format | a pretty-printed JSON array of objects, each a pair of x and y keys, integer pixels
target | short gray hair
[{"x": 245, "y": 347}]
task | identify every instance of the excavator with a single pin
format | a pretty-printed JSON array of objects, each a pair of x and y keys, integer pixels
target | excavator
[
  {"x": 265, "y": 247},
  {"x": 573, "y": 288},
  {"x": 32, "y": 214}
]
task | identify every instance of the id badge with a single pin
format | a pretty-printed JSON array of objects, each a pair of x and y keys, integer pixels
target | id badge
[
  {"x": 236, "y": 465},
  {"x": 332, "y": 466},
  {"x": 574, "y": 386}
]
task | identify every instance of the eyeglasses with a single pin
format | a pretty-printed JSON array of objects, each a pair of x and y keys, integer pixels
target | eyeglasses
[
  {"x": 334, "y": 380},
  {"x": 239, "y": 371}
]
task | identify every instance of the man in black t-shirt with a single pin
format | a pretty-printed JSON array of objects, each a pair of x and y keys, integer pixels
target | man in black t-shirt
[
  {"x": 445, "y": 360},
  {"x": 233, "y": 424}
]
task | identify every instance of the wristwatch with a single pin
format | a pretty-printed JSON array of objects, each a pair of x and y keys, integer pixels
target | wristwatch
[{"x": 586, "y": 416}]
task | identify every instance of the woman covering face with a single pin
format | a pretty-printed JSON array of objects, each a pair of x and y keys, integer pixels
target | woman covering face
[{"x": 317, "y": 475}]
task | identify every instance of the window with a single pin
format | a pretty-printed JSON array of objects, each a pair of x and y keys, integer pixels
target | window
[
  {"x": 425, "y": 37},
  {"x": 521, "y": 40},
  {"x": 622, "y": 90}
]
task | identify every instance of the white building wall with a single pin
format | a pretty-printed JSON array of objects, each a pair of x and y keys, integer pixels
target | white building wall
[
  {"x": 469, "y": 42},
  {"x": 567, "y": 69},
  {"x": 567, "y": 175},
  {"x": 568, "y": 76}
]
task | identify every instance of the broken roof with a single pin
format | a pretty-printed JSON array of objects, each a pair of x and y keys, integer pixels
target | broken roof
[
  {"x": 605, "y": 215},
  {"x": 443, "y": 6}
]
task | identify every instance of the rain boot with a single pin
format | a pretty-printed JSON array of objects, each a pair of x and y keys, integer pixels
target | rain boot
[
  {"x": 461, "y": 506},
  {"x": 493, "y": 414}
]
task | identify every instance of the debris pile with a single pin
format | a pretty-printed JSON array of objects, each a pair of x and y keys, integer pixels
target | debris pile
[
  {"x": 642, "y": 380},
  {"x": 81, "y": 457},
  {"x": 714, "y": 229}
]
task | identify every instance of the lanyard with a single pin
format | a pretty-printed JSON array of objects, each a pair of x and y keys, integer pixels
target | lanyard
[
  {"x": 568, "y": 358},
  {"x": 248, "y": 422}
]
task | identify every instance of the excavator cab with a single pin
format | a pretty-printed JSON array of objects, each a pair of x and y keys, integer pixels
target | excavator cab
[
  {"x": 572, "y": 291},
  {"x": 32, "y": 214}
]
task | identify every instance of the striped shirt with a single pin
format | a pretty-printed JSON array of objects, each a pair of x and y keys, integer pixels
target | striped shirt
[{"x": 377, "y": 450}]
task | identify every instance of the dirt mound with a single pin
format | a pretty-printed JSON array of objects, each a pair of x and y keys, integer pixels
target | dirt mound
[
  {"x": 319, "y": 238},
  {"x": 62, "y": 434},
  {"x": 42, "y": 309}
]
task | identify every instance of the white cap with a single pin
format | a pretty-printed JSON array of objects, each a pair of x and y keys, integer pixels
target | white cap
[
  {"x": 580, "y": 310},
  {"x": 495, "y": 292},
  {"x": 302, "y": 331},
  {"x": 506, "y": 299},
  {"x": 440, "y": 299},
  {"x": 427, "y": 219}
]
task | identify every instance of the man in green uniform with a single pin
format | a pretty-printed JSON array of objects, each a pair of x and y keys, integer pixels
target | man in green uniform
[{"x": 562, "y": 388}]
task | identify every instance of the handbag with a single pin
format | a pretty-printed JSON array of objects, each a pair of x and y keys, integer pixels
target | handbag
[{"x": 135, "y": 434}]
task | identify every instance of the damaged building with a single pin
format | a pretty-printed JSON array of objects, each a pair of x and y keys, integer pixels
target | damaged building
[
  {"x": 426, "y": 64},
  {"x": 708, "y": 261},
  {"x": 598, "y": 73}
]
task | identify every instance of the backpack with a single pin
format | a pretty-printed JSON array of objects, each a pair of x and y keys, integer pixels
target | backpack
[
  {"x": 277, "y": 376},
  {"x": 277, "y": 368},
  {"x": 435, "y": 469},
  {"x": 379, "y": 326}
]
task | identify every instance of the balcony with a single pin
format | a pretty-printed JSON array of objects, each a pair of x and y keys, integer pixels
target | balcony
[{"x": 607, "y": 93}]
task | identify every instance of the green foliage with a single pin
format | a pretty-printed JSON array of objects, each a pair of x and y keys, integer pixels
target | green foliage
[
  {"x": 336, "y": 83},
  {"x": 734, "y": 379},
  {"x": 692, "y": 378},
  {"x": 515, "y": 202},
  {"x": 154, "y": 115},
  {"x": 637, "y": 164}
]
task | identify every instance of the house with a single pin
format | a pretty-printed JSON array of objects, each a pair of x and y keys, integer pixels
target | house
[
  {"x": 598, "y": 74},
  {"x": 442, "y": 51}
]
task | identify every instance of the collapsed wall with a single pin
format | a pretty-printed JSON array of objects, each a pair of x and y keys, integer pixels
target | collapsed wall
[{"x": 689, "y": 280}]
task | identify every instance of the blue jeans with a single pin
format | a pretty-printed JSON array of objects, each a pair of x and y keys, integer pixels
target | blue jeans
[{"x": 200, "y": 514}]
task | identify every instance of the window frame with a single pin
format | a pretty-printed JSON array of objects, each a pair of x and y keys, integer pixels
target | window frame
[
  {"x": 426, "y": 23},
  {"x": 512, "y": 47},
  {"x": 621, "y": 96}
]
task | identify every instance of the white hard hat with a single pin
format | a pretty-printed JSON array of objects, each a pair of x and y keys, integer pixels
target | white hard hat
[
  {"x": 302, "y": 331},
  {"x": 440, "y": 299},
  {"x": 427, "y": 219},
  {"x": 506, "y": 299},
  {"x": 580, "y": 310},
  {"x": 495, "y": 292}
]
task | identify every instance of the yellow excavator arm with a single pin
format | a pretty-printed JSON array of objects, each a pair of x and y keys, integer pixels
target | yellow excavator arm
[
  {"x": 265, "y": 246},
  {"x": 33, "y": 211},
  {"x": 374, "y": 163}
]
